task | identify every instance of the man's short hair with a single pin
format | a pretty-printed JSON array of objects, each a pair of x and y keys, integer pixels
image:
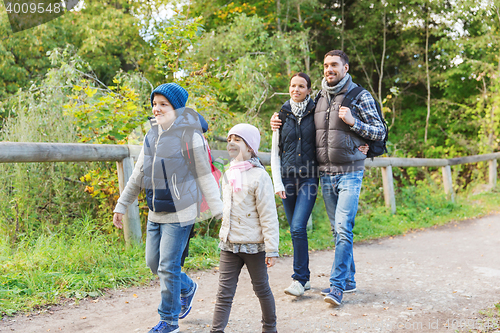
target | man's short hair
[{"x": 338, "y": 53}]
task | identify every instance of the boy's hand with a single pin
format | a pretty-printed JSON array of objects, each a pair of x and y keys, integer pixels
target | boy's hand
[
  {"x": 117, "y": 220},
  {"x": 281, "y": 194},
  {"x": 275, "y": 122},
  {"x": 270, "y": 261}
]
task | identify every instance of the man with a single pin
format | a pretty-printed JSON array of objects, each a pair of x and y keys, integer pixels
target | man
[{"x": 339, "y": 131}]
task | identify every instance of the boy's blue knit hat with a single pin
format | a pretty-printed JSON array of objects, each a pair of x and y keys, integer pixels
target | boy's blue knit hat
[{"x": 176, "y": 95}]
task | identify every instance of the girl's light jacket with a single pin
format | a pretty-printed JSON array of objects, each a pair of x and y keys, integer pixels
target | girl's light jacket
[{"x": 249, "y": 215}]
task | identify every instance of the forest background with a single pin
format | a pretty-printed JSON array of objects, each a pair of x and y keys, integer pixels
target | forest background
[{"x": 433, "y": 65}]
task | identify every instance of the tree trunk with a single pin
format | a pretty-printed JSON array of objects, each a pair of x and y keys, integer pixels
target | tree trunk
[
  {"x": 428, "y": 77},
  {"x": 342, "y": 31},
  {"x": 382, "y": 61},
  {"x": 278, "y": 13},
  {"x": 280, "y": 30},
  {"x": 305, "y": 42}
]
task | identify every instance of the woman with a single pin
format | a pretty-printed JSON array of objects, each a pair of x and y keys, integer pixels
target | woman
[{"x": 293, "y": 163}]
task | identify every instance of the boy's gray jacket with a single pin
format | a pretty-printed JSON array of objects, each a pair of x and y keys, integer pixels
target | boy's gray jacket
[
  {"x": 170, "y": 185},
  {"x": 249, "y": 216}
]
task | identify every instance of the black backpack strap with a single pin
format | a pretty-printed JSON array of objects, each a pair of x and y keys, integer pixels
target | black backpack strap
[
  {"x": 282, "y": 117},
  {"x": 351, "y": 96}
]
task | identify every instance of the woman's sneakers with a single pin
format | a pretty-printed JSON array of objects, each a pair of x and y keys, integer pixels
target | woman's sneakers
[{"x": 297, "y": 289}]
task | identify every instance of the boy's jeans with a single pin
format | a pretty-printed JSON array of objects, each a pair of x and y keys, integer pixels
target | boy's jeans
[
  {"x": 341, "y": 195},
  {"x": 301, "y": 195},
  {"x": 165, "y": 244}
]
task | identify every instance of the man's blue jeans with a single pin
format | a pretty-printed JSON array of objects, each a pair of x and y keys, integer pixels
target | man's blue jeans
[
  {"x": 341, "y": 196},
  {"x": 301, "y": 195},
  {"x": 165, "y": 244}
]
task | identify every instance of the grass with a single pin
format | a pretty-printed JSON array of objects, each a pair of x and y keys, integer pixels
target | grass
[
  {"x": 487, "y": 321},
  {"x": 46, "y": 269}
]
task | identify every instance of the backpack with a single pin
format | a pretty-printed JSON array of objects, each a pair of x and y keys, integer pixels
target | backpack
[
  {"x": 377, "y": 148},
  {"x": 187, "y": 152}
]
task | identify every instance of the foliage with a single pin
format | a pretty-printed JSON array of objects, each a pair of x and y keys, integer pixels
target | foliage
[
  {"x": 39, "y": 197},
  {"x": 106, "y": 35}
]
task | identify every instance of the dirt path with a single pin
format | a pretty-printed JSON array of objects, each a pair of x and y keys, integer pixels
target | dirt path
[{"x": 417, "y": 282}]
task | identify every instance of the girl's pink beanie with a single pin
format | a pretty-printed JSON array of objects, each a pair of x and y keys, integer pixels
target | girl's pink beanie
[{"x": 249, "y": 133}]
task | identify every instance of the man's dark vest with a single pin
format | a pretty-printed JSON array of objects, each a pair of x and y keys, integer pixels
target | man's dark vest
[
  {"x": 297, "y": 143},
  {"x": 170, "y": 185},
  {"x": 336, "y": 144}
]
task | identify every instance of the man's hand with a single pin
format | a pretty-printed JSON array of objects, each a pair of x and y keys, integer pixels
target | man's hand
[
  {"x": 346, "y": 116},
  {"x": 281, "y": 194},
  {"x": 275, "y": 122},
  {"x": 117, "y": 220},
  {"x": 270, "y": 261},
  {"x": 364, "y": 149}
]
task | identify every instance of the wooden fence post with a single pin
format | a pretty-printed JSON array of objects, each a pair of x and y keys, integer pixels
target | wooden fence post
[
  {"x": 131, "y": 220},
  {"x": 388, "y": 182},
  {"x": 493, "y": 173},
  {"x": 448, "y": 182}
]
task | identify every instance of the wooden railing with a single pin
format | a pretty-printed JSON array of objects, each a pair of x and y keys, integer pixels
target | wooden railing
[{"x": 14, "y": 152}]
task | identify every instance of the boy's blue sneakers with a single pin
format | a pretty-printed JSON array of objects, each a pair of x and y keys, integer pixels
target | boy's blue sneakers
[
  {"x": 164, "y": 327},
  {"x": 349, "y": 288},
  {"x": 187, "y": 302},
  {"x": 334, "y": 296}
]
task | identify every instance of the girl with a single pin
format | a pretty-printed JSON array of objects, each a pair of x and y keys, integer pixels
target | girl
[{"x": 249, "y": 234}]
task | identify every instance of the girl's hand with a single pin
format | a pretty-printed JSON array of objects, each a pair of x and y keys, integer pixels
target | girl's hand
[
  {"x": 117, "y": 220},
  {"x": 270, "y": 261},
  {"x": 281, "y": 194}
]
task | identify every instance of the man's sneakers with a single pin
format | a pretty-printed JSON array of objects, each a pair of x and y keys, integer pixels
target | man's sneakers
[
  {"x": 349, "y": 288},
  {"x": 187, "y": 302},
  {"x": 164, "y": 327},
  {"x": 334, "y": 296},
  {"x": 295, "y": 289}
]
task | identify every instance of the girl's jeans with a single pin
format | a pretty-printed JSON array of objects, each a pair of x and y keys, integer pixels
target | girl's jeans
[
  {"x": 165, "y": 244},
  {"x": 229, "y": 271}
]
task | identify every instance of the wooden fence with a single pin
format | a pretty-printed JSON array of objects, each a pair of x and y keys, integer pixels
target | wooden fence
[{"x": 14, "y": 152}]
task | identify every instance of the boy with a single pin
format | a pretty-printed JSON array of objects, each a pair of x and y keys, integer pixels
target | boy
[{"x": 173, "y": 194}]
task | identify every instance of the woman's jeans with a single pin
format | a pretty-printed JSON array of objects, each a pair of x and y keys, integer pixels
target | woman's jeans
[
  {"x": 341, "y": 195},
  {"x": 300, "y": 198},
  {"x": 229, "y": 272},
  {"x": 165, "y": 244}
]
